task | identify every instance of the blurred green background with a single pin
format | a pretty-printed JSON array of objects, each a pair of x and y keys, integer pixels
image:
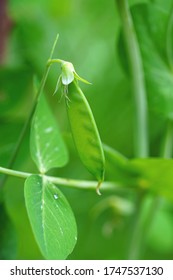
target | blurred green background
[{"x": 90, "y": 37}]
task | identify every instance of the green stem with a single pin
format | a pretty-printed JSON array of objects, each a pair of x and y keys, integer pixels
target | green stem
[
  {"x": 167, "y": 147},
  {"x": 157, "y": 202},
  {"x": 138, "y": 84},
  {"x": 52, "y": 61},
  {"x": 169, "y": 40},
  {"x": 81, "y": 184},
  {"x": 27, "y": 122},
  {"x": 136, "y": 237},
  {"x": 141, "y": 147},
  {"x": 15, "y": 173}
]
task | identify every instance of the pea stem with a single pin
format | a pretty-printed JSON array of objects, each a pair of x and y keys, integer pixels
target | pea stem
[
  {"x": 136, "y": 236},
  {"x": 138, "y": 84},
  {"x": 141, "y": 147},
  {"x": 169, "y": 40},
  {"x": 52, "y": 61},
  {"x": 28, "y": 120},
  {"x": 81, "y": 184},
  {"x": 167, "y": 147},
  {"x": 157, "y": 202}
]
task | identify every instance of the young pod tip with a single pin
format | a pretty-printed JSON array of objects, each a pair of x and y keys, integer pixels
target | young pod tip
[{"x": 98, "y": 188}]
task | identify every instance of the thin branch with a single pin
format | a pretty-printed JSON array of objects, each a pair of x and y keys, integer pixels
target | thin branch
[
  {"x": 27, "y": 122},
  {"x": 138, "y": 84},
  {"x": 141, "y": 143},
  {"x": 81, "y": 184}
]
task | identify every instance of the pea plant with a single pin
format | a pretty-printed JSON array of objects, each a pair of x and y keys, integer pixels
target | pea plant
[{"x": 50, "y": 214}]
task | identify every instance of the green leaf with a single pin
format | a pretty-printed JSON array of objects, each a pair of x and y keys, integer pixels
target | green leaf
[
  {"x": 134, "y": 2},
  {"x": 156, "y": 175},
  {"x": 51, "y": 217},
  {"x": 13, "y": 84},
  {"x": 153, "y": 174},
  {"x": 27, "y": 248},
  {"x": 153, "y": 24},
  {"x": 8, "y": 237},
  {"x": 10, "y": 132},
  {"x": 154, "y": 28},
  {"x": 118, "y": 167},
  {"x": 160, "y": 234},
  {"x": 47, "y": 147}
]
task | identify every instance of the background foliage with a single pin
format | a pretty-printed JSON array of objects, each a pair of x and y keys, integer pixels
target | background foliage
[{"x": 91, "y": 38}]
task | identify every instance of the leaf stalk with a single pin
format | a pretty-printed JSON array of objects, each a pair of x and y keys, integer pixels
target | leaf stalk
[{"x": 80, "y": 184}]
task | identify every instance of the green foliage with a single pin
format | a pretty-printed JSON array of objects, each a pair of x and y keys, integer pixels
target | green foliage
[
  {"x": 47, "y": 147},
  {"x": 8, "y": 237},
  {"x": 161, "y": 240},
  {"x": 51, "y": 218},
  {"x": 19, "y": 79},
  {"x": 154, "y": 25},
  {"x": 119, "y": 169},
  {"x": 151, "y": 174},
  {"x": 104, "y": 223},
  {"x": 156, "y": 175},
  {"x": 16, "y": 211},
  {"x": 50, "y": 215}
]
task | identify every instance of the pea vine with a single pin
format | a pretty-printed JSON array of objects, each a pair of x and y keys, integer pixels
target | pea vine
[{"x": 50, "y": 214}]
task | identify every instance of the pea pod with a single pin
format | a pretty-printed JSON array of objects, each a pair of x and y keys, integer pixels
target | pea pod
[{"x": 85, "y": 132}]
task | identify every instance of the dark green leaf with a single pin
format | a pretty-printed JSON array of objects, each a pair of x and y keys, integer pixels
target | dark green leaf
[
  {"x": 11, "y": 93},
  {"x": 47, "y": 147},
  {"x": 10, "y": 132},
  {"x": 153, "y": 23},
  {"x": 51, "y": 218},
  {"x": 27, "y": 248},
  {"x": 8, "y": 237}
]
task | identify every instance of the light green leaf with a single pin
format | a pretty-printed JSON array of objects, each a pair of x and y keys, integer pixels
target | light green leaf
[
  {"x": 51, "y": 218},
  {"x": 118, "y": 167},
  {"x": 156, "y": 175},
  {"x": 152, "y": 174},
  {"x": 47, "y": 147}
]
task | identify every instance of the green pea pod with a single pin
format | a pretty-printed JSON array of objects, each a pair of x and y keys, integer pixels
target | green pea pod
[{"x": 85, "y": 132}]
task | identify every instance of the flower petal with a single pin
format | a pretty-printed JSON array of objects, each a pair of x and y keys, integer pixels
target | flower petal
[{"x": 67, "y": 73}]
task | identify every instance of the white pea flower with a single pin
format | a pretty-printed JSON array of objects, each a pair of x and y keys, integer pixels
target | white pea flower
[{"x": 68, "y": 75}]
